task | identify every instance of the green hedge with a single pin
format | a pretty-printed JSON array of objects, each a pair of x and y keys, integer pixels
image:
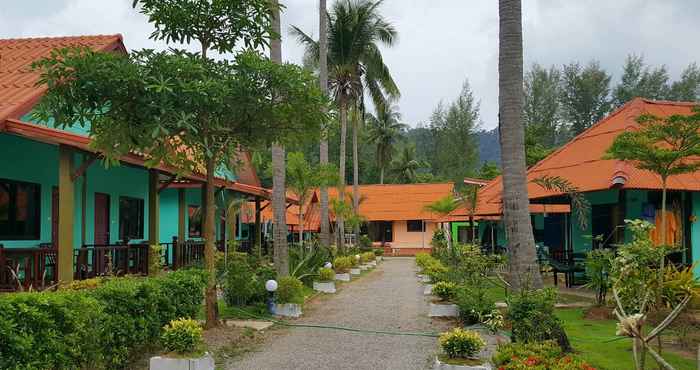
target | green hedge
[{"x": 94, "y": 328}]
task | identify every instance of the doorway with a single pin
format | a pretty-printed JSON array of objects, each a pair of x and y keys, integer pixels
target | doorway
[{"x": 101, "y": 219}]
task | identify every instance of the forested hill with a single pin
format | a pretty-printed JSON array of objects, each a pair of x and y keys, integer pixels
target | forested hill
[{"x": 489, "y": 147}]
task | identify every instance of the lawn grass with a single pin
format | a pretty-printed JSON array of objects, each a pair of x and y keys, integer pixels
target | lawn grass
[{"x": 592, "y": 340}]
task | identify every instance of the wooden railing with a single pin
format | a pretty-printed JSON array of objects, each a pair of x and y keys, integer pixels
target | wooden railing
[
  {"x": 110, "y": 259},
  {"x": 31, "y": 267},
  {"x": 179, "y": 254}
]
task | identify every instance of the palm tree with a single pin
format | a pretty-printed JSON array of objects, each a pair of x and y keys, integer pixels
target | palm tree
[
  {"x": 279, "y": 196},
  {"x": 523, "y": 269},
  {"x": 323, "y": 80},
  {"x": 405, "y": 167},
  {"x": 355, "y": 65},
  {"x": 384, "y": 130}
]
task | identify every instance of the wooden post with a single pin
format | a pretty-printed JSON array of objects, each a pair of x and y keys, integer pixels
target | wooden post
[
  {"x": 257, "y": 237},
  {"x": 66, "y": 213},
  {"x": 181, "y": 213},
  {"x": 153, "y": 219}
]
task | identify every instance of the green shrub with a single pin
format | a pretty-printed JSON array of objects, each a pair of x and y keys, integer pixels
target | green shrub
[
  {"x": 50, "y": 330},
  {"x": 367, "y": 257},
  {"x": 326, "y": 274},
  {"x": 378, "y": 251},
  {"x": 436, "y": 271},
  {"x": 543, "y": 355},
  {"x": 244, "y": 281},
  {"x": 365, "y": 243},
  {"x": 182, "y": 336},
  {"x": 290, "y": 290},
  {"x": 422, "y": 259},
  {"x": 474, "y": 303},
  {"x": 94, "y": 326},
  {"x": 460, "y": 343},
  {"x": 354, "y": 260},
  {"x": 531, "y": 313},
  {"x": 445, "y": 290},
  {"x": 342, "y": 264}
]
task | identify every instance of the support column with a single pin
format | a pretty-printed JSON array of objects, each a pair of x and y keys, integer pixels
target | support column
[
  {"x": 66, "y": 214},
  {"x": 257, "y": 237},
  {"x": 181, "y": 214},
  {"x": 153, "y": 220}
]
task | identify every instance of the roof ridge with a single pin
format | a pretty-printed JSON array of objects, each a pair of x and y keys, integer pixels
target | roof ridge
[
  {"x": 72, "y": 37},
  {"x": 615, "y": 113},
  {"x": 671, "y": 102}
]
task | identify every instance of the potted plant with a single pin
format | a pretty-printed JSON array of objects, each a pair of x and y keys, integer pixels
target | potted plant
[
  {"x": 379, "y": 252},
  {"x": 371, "y": 259},
  {"x": 461, "y": 351},
  {"x": 354, "y": 265},
  {"x": 289, "y": 297},
  {"x": 182, "y": 339},
  {"x": 445, "y": 292},
  {"x": 342, "y": 267},
  {"x": 326, "y": 280}
]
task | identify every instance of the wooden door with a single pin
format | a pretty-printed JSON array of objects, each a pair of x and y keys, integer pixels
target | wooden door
[{"x": 101, "y": 218}]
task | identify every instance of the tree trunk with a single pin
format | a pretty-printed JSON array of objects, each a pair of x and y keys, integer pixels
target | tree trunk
[
  {"x": 212, "y": 319},
  {"x": 381, "y": 175},
  {"x": 523, "y": 269},
  {"x": 301, "y": 226},
  {"x": 340, "y": 227},
  {"x": 281, "y": 252},
  {"x": 279, "y": 196},
  {"x": 323, "y": 80},
  {"x": 355, "y": 173}
]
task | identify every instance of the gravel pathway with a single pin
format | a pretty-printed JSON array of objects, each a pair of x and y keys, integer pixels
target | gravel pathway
[{"x": 388, "y": 298}]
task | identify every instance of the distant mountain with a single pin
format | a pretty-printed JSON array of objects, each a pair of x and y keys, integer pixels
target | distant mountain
[{"x": 489, "y": 147}]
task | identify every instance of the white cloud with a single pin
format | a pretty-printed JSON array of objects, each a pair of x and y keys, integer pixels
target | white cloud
[{"x": 441, "y": 42}]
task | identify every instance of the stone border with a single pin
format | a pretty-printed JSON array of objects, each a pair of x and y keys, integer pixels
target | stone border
[
  {"x": 206, "y": 362},
  {"x": 343, "y": 277},
  {"x": 288, "y": 310},
  {"x": 439, "y": 365},
  {"x": 324, "y": 286},
  {"x": 443, "y": 310},
  {"x": 355, "y": 271}
]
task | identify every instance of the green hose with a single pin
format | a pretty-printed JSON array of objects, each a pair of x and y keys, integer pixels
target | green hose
[{"x": 317, "y": 326}]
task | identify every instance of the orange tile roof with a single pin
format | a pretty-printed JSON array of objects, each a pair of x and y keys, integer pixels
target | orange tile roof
[
  {"x": 18, "y": 92},
  {"x": 581, "y": 162}
]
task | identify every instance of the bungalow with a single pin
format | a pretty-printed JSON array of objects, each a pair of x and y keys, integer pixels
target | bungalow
[
  {"x": 64, "y": 216},
  {"x": 394, "y": 214},
  {"x": 614, "y": 189}
]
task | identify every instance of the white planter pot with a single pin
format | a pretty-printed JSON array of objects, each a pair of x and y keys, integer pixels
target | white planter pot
[
  {"x": 205, "y": 362},
  {"x": 342, "y": 277},
  {"x": 364, "y": 267},
  {"x": 288, "y": 310},
  {"x": 372, "y": 263},
  {"x": 425, "y": 279},
  {"x": 439, "y": 365},
  {"x": 428, "y": 290},
  {"x": 443, "y": 310},
  {"x": 324, "y": 287},
  {"x": 355, "y": 271}
]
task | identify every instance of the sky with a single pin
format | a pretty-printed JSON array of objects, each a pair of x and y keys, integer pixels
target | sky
[{"x": 441, "y": 43}]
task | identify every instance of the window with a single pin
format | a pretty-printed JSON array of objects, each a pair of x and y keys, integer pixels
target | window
[
  {"x": 195, "y": 222},
  {"x": 20, "y": 206},
  {"x": 415, "y": 226},
  {"x": 130, "y": 218}
]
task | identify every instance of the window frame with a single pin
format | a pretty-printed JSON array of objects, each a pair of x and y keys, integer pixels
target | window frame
[
  {"x": 419, "y": 229},
  {"x": 35, "y": 215},
  {"x": 142, "y": 218}
]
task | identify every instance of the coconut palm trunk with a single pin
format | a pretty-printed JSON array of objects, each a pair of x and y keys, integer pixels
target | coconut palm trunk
[
  {"x": 323, "y": 80},
  {"x": 279, "y": 208},
  {"x": 340, "y": 227},
  {"x": 523, "y": 269},
  {"x": 355, "y": 172}
]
